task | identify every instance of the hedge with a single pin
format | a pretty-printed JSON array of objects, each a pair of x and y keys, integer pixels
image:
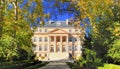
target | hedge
[
  {"x": 17, "y": 64},
  {"x": 37, "y": 65}
]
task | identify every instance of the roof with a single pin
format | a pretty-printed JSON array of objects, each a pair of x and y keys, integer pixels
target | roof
[
  {"x": 57, "y": 24},
  {"x": 58, "y": 31}
]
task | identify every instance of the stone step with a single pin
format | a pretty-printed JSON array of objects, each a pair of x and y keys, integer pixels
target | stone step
[{"x": 58, "y": 56}]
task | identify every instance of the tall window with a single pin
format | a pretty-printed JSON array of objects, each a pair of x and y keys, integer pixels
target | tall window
[
  {"x": 58, "y": 49},
  {"x": 45, "y": 48},
  {"x": 70, "y": 38},
  {"x": 45, "y": 30},
  {"x": 39, "y": 54},
  {"x": 52, "y": 50},
  {"x": 40, "y": 39},
  {"x": 45, "y": 39},
  {"x": 45, "y": 55},
  {"x": 75, "y": 39},
  {"x": 40, "y": 48},
  {"x": 64, "y": 49}
]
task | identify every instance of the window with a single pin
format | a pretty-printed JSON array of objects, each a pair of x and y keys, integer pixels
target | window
[
  {"x": 40, "y": 39},
  {"x": 45, "y": 55},
  {"x": 45, "y": 39},
  {"x": 40, "y": 48},
  {"x": 45, "y": 30},
  {"x": 35, "y": 39},
  {"x": 51, "y": 50},
  {"x": 45, "y": 48},
  {"x": 70, "y": 38},
  {"x": 75, "y": 39},
  {"x": 64, "y": 49},
  {"x": 58, "y": 49}
]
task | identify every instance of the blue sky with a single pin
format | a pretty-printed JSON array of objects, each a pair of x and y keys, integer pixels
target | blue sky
[
  {"x": 49, "y": 7},
  {"x": 56, "y": 14},
  {"x": 55, "y": 11}
]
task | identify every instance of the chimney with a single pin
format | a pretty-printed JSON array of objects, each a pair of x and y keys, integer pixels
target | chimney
[
  {"x": 40, "y": 22},
  {"x": 67, "y": 22}
]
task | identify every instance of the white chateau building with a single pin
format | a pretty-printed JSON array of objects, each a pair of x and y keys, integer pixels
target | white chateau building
[{"x": 57, "y": 40}]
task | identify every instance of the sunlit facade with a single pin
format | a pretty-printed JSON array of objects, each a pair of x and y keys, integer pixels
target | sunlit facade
[{"x": 57, "y": 41}]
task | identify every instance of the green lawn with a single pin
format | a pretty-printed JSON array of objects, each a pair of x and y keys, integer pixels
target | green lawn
[{"x": 110, "y": 66}]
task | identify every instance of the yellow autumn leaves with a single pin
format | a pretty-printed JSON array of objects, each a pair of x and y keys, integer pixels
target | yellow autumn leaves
[{"x": 92, "y": 8}]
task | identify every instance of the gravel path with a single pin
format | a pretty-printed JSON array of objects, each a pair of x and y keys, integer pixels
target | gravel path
[{"x": 56, "y": 65}]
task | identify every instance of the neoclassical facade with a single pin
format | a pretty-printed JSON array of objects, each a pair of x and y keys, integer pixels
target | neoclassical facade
[{"x": 57, "y": 40}]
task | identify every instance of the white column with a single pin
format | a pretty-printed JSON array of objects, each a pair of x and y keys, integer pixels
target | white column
[
  {"x": 60, "y": 43},
  {"x": 49, "y": 39},
  {"x": 54, "y": 43},
  {"x": 67, "y": 48},
  {"x": 48, "y": 48}
]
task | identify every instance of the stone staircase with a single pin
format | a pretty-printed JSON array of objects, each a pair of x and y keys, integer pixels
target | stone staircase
[{"x": 58, "y": 56}]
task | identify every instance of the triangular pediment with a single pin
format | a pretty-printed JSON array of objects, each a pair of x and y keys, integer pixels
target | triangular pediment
[{"x": 58, "y": 31}]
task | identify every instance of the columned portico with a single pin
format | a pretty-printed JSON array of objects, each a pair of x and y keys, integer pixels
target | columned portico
[
  {"x": 52, "y": 41},
  {"x": 59, "y": 48},
  {"x": 57, "y": 44}
]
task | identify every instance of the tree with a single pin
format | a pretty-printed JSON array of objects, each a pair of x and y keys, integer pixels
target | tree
[
  {"x": 2, "y": 12},
  {"x": 114, "y": 49},
  {"x": 16, "y": 32},
  {"x": 104, "y": 19}
]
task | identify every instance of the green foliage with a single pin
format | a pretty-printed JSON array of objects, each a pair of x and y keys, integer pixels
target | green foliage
[
  {"x": 89, "y": 59},
  {"x": 105, "y": 31},
  {"x": 18, "y": 64},
  {"x": 15, "y": 33},
  {"x": 8, "y": 50},
  {"x": 109, "y": 66},
  {"x": 114, "y": 51},
  {"x": 37, "y": 65}
]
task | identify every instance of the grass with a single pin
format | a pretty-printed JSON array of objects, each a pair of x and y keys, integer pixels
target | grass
[{"x": 110, "y": 66}]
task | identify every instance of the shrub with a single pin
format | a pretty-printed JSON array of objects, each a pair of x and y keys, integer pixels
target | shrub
[
  {"x": 17, "y": 64},
  {"x": 37, "y": 65}
]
